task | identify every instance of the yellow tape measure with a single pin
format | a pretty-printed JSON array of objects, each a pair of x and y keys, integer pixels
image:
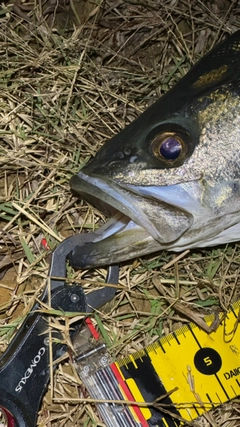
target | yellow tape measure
[
  {"x": 187, "y": 372},
  {"x": 202, "y": 369}
]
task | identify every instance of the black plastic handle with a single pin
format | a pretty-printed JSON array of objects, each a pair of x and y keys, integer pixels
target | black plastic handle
[{"x": 24, "y": 367}]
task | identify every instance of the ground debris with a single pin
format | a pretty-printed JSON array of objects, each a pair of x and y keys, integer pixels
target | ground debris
[{"x": 73, "y": 74}]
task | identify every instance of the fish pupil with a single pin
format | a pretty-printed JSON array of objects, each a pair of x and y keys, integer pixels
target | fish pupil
[{"x": 170, "y": 148}]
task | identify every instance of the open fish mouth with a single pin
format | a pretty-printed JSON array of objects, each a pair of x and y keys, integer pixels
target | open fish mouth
[{"x": 142, "y": 222}]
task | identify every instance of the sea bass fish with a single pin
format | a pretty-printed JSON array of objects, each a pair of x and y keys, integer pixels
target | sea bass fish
[{"x": 171, "y": 179}]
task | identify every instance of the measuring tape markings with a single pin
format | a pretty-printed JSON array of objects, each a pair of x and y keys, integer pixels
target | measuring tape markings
[{"x": 204, "y": 368}]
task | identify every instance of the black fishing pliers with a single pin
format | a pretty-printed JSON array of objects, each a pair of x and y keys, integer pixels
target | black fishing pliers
[{"x": 24, "y": 367}]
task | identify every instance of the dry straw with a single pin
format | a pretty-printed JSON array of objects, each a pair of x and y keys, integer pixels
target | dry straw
[{"x": 73, "y": 74}]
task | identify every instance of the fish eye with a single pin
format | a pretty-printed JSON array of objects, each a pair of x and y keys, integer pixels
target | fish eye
[{"x": 168, "y": 146}]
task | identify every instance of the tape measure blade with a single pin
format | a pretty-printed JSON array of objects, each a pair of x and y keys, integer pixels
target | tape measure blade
[{"x": 205, "y": 369}]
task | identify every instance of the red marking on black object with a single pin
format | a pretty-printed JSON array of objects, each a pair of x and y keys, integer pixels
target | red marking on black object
[{"x": 92, "y": 328}]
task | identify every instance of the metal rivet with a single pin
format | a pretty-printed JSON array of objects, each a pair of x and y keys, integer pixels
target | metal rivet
[{"x": 74, "y": 298}]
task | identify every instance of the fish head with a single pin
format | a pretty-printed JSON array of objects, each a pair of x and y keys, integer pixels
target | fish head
[{"x": 170, "y": 179}]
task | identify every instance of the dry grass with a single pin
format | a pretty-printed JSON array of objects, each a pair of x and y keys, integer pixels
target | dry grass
[{"x": 71, "y": 77}]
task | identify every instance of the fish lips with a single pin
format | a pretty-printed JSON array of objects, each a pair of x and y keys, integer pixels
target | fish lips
[{"x": 148, "y": 207}]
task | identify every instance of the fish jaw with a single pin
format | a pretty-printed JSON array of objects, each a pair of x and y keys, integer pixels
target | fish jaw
[
  {"x": 186, "y": 214},
  {"x": 143, "y": 223},
  {"x": 164, "y": 222}
]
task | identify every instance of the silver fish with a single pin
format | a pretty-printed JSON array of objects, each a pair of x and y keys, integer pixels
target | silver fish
[{"x": 171, "y": 179}]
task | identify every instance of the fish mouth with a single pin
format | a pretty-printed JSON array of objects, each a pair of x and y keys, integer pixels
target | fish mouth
[{"x": 143, "y": 220}]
